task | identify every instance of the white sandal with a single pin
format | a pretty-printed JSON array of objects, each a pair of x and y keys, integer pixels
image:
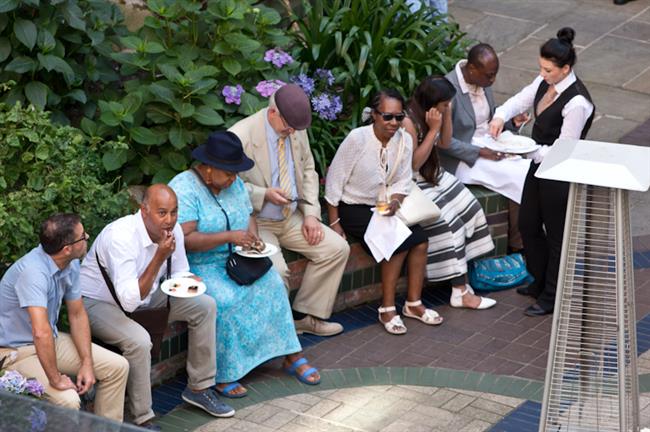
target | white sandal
[
  {"x": 457, "y": 300},
  {"x": 429, "y": 317},
  {"x": 395, "y": 325}
]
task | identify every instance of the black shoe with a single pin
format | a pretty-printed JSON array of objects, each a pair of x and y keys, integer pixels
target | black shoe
[
  {"x": 537, "y": 310},
  {"x": 150, "y": 425},
  {"x": 620, "y": 2},
  {"x": 525, "y": 290}
]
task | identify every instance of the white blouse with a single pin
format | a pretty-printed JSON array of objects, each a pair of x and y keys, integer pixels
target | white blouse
[
  {"x": 575, "y": 112},
  {"x": 356, "y": 175}
]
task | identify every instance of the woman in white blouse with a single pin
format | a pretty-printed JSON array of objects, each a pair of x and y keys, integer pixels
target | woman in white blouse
[
  {"x": 357, "y": 176},
  {"x": 563, "y": 109}
]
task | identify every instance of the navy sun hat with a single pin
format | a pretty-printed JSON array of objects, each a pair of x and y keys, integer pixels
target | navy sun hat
[{"x": 223, "y": 150}]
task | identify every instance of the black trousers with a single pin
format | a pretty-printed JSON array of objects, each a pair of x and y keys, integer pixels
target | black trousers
[{"x": 541, "y": 223}]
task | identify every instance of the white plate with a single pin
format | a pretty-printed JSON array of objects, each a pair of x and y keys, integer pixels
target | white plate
[
  {"x": 178, "y": 287},
  {"x": 515, "y": 144},
  {"x": 269, "y": 250}
]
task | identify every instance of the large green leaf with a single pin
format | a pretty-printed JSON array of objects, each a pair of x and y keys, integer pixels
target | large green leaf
[
  {"x": 242, "y": 43},
  {"x": 25, "y": 32},
  {"x": 8, "y": 5},
  {"x": 51, "y": 62},
  {"x": 163, "y": 175},
  {"x": 114, "y": 159},
  {"x": 176, "y": 160},
  {"x": 207, "y": 116},
  {"x": 73, "y": 15},
  {"x": 162, "y": 92},
  {"x": 179, "y": 137},
  {"x": 78, "y": 95},
  {"x": 144, "y": 136},
  {"x": 5, "y": 48},
  {"x": 232, "y": 66},
  {"x": 21, "y": 65},
  {"x": 36, "y": 93},
  {"x": 45, "y": 40}
]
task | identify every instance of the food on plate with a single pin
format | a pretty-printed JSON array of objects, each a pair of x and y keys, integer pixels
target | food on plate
[
  {"x": 192, "y": 288},
  {"x": 257, "y": 246}
]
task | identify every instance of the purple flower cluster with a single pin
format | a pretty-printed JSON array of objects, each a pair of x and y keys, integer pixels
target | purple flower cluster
[
  {"x": 14, "y": 382},
  {"x": 325, "y": 75},
  {"x": 278, "y": 57},
  {"x": 233, "y": 94},
  {"x": 304, "y": 82},
  {"x": 328, "y": 106},
  {"x": 267, "y": 87}
]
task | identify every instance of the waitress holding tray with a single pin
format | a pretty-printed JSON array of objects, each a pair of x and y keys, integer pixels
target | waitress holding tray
[{"x": 562, "y": 108}]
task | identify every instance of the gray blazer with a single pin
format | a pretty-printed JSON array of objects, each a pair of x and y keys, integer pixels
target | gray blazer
[{"x": 464, "y": 125}]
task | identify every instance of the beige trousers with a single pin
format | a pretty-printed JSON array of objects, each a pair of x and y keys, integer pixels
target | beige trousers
[
  {"x": 111, "y": 371},
  {"x": 109, "y": 324},
  {"x": 324, "y": 271}
]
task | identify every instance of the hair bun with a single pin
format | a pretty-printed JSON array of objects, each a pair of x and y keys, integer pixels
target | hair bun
[{"x": 566, "y": 34}]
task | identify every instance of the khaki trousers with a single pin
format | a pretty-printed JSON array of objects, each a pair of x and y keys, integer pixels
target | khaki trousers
[
  {"x": 109, "y": 324},
  {"x": 111, "y": 371},
  {"x": 324, "y": 271}
]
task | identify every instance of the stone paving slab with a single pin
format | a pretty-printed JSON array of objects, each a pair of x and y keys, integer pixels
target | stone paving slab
[{"x": 374, "y": 408}]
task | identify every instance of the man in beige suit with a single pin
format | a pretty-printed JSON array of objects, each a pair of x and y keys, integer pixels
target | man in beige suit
[{"x": 283, "y": 186}]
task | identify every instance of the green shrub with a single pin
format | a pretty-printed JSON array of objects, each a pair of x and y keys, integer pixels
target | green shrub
[
  {"x": 45, "y": 169},
  {"x": 58, "y": 52},
  {"x": 182, "y": 64},
  {"x": 369, "y": 45}
]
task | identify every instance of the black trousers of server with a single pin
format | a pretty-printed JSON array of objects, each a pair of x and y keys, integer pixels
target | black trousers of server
[{"x": 541, "y": 223}]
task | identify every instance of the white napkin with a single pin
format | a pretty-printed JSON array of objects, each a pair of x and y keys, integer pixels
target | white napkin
[{"x": 384, "y": 235}]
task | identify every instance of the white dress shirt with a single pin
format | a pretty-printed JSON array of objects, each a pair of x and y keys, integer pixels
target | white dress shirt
[
  {"x": 576, "y": 112},
  {"x": 479, "y": 101},
  {"x": 356, "y": 176},
  {"x": 125, "y": 250}
]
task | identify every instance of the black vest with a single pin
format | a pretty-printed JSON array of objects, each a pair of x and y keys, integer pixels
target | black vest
[{"x": 548, "y": 124}]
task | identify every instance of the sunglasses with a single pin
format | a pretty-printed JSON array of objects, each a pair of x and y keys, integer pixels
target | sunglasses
[
  {"x": 84, "y": 237},
  {"x": 390, "y": 116}
]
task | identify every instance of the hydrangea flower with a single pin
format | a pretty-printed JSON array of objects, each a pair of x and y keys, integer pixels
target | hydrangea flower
[
  {"x": 278, "y": 57},
  {"x": 305, "y": 82},
  {"x": 267, "y": 87},
  {"x": 13, "y": 381},
  {"x": 327, "y": 106},
  {"x": 325, "y": 75},
  {"x": 233, "y": 94},
  {"x": 34, "y": 388}
]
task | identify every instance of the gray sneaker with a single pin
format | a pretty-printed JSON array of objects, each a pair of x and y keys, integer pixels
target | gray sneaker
[{"x": 208, "y": 401}]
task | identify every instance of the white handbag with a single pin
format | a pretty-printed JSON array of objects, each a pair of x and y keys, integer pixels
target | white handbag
[{"x": 416, "y": 206}]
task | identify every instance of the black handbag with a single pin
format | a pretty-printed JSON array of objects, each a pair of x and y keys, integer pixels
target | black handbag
[
  {"x": 154, "y": 321},
  {"x": 241, "y": 269}
]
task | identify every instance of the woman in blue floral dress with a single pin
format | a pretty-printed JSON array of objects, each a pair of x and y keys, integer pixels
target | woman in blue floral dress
[{"x": 254, "y": 322}]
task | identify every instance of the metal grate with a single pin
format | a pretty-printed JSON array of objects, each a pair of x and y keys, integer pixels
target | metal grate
[{"x": 591, "y": 380}]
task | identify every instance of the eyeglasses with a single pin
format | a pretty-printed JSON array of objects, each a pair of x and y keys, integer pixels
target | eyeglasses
[
  {"x": 84, "y": 237},
  {"x": 390, "y": 116}
]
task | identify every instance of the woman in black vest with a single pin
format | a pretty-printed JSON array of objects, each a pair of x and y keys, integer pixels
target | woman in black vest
[{"x": 563, "y": 109}]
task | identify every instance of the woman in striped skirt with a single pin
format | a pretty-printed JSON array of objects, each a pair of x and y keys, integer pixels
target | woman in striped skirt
[{"x": 461, "y": 233}]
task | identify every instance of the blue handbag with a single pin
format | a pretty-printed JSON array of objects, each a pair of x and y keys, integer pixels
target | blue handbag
[{"x": 494, "y": 274}]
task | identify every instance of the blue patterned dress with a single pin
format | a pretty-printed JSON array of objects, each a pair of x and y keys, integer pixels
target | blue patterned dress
[{"x": 254, "y": 323}]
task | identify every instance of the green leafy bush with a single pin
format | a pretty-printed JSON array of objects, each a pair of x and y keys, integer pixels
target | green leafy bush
[
  {"x": 194, "y": 67},
  {"x": 369, "y": 45},
  {"x": 45, "y": 169},
  {"x": 58, "y": 52}
]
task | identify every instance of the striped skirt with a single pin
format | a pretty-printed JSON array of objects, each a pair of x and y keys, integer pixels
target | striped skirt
[{"x": 460, "y": 234}]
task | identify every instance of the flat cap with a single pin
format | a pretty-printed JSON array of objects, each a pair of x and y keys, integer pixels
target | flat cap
[{"x": 293, "y": 104}]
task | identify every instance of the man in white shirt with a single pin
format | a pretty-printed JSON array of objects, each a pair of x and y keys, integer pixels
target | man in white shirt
[{"x": 134, "y": 252}]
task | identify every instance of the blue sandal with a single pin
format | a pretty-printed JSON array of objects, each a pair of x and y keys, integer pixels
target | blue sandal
[
  {"x": 302, "y": 377},
  {"x": 226, "y": 391}
]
